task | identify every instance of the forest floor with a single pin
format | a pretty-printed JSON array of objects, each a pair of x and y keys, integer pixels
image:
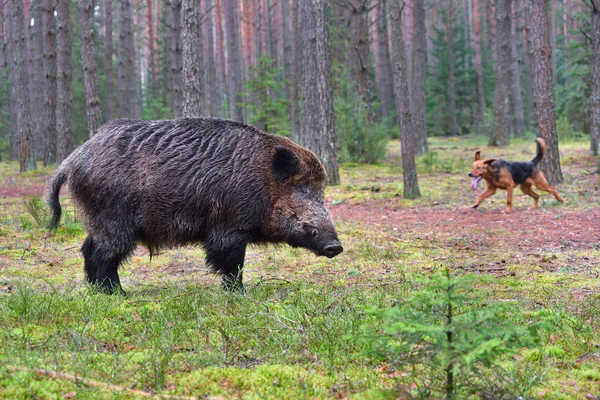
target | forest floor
[{"x": 300, "y": 330}]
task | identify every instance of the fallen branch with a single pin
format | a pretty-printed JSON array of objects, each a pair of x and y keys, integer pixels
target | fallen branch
[{"x": 96, "y": 384}]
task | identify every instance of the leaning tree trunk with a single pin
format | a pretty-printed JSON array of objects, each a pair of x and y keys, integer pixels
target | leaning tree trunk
[
  {"x": 452, "y": 123},
  {"x": 234, "y": 60},
  {"x": 64, "y": 96},
  {"x": 19, "y": 87},
  {"x": 516, "y": 94},
  {"x": 127, "y": 76},
  {"x": 88, "y": 59},
  {"x": 419, "y": 60},
  {"x": 501, "y": 133},
  {"x": 108, "y": 60},
  {"x": 193, "y": 91},
  {"x": 318, "y": 128},
  {"x": 400, "y": 72},
  {"x": 37, "y": 84},
  {"x": 50, "y": 73},
  {"x": 543, "y": 89},
  {"x": 595, "y": 81}
]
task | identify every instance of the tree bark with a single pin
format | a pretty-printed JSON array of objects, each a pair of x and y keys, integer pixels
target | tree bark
[
  {"x": 88, "y": 58},
  {"x": 221, "y": 63},
  {"x": 127, "y": 75},
  {"x": 108, "y": 60},
  {"x": 19, "y": 87},
  {"x": 64, "y": 96},
  {"x": 595, "y": 78},
  {"x": 477, "y": 63},
  {"x": 193, "y": 90},
  {"x": 360, "y": 60},
  {"x": 151, "y": 51},
  {"x": 400, "y": 71},
  {"x": 174, "y": 55},
  {"x": 419, "y": 59},
  {"x": 528, "y": 63},
  {"x": 37, "y": 85},
  {"x": 516, "y": 95},
  {"x": 452, "y": 123},
  {"x": 501, "y": 133},
  {"x": 543, "y": 89},
  {"x": 234, "y": 60},
  {"x": 318, "y": 128},
  {"x": 385, "y": 92},
  {"x": 215, "y": 99},
  {"x": 289, "y": 57}
]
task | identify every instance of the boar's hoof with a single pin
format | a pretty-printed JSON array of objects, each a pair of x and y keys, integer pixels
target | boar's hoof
[
  {"x": 332, "y": 250},
  {"x": 233, "y": 285}
]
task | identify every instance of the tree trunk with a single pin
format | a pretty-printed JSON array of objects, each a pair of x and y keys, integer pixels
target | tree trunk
[
  {"x": 215, "y": 100},
  {"x": 385, "y": 92},
  {"x": 88, "y": 59},
  {"x": 595, "y": 78},
  {"x": 37, "y": 86},
  {"x": 221, "y": 63},
  {"x": 4, "y": 106},
  {"x": 64, "y": 96},
  {"x": 289, "y": 57},
  {"x": 193, "y": 90},
  {"x": 49, "y": 139},
  {"x": 543, "y": 89},
  {"x": 127, "y": 76},
  {"x": 528, "y": 63},
  {"x": 19, "y": 87},
  {"x": 477, "y": 63},
  {"x": 419, "y": 59},
  {"x": 108, "y": 60},
  {"x": 234, "y": 60},
  {"x": 174, "y": 55},
  {"x": 151, "y": 51},
  {"x": 501, "y": 133},
  {"x": 400, "y": 71},
  {"x": 318, "y": 129},
  {"x": 516, "y": 94},
  {"x": 360, "y": 60},
  {"x": 452, "y": 123}
]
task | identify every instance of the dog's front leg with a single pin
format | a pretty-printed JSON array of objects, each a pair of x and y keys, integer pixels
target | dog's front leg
[
  {"x": 509, "y": 198},
  {"x": 487, "y": 193}
]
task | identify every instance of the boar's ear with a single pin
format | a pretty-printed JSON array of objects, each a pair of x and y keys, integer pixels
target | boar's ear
[{"x": 285, "y": 164}]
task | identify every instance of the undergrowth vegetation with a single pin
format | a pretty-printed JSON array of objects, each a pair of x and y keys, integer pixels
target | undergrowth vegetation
[{"x": 429, "y": 299}]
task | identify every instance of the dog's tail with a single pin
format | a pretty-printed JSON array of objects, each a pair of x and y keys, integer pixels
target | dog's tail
[
  {"x": 541, "y": 151},
  {"x": 56, "y": 182}
]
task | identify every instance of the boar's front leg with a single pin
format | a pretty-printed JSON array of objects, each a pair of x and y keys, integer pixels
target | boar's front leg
[
  {"x": 225, "y": 252},
  {"x": 101, "y": 268}
]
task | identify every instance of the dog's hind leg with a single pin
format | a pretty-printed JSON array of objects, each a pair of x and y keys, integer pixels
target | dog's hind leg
[
  {"x": 541, "y": 183},
  {"x": 526, "y": 188}
]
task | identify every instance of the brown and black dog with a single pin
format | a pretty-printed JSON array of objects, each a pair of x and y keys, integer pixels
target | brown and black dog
[{"x": 507, "y": 175}]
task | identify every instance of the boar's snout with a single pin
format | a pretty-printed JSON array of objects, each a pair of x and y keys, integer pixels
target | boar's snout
[{"x": 333, "y": 249}]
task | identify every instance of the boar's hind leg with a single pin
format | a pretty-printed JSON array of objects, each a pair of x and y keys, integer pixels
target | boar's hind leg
[
  {"x": 225, "y": 254},
  {"x": 100, "y": 270}
]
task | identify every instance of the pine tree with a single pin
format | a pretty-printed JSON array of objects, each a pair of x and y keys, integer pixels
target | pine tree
[
  {"x": 90, "y": 79},
  {"x": 49, "y": 22},
  {"x": 595, "y": 78},
  {"x": 108, "y": 60},
  {"x": 64, "y": 95},
  {"x": 193, "y": 91}
]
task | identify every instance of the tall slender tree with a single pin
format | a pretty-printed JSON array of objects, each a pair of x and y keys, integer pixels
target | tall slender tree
[
  {"x": 419, "y": 60},
  {"x": 452, "y": 122},
  {"x": 211, "y": 62},
  {"x": 127, "y": 76},
  {"x": 477, "y": 62},
  {"x": 318, "y": 128},
  {"x": 108, "y": 60},
  {"x": 595, "y": 78},
  {"x": 19, "y": 86},
  {"x": 400, "y": 70},
  {"x": 49, "y": 141},
  {"x": 88, "y": 58},
  {"x": 193, "y": 79},
  {"x": 234, "y": 60},
  {"x": 64, "y": 95},
  {"x": 543, "y": 89},
  {"x": 38, "y": 82},
  {"x": 289, "y": 57},
  {"x": 516, "y": 87},
  {"x": 383, "y": 71},
  {"x": 501, "y": 133}
]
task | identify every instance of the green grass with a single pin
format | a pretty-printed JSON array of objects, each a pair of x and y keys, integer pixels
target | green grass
[{"x": 294, "y": 333}]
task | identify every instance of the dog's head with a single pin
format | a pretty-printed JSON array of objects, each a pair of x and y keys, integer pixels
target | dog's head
[{"x": 480, "y": 169}]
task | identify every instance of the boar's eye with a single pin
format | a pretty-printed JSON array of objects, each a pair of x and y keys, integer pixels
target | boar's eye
[
  {"x": 285, "y": 164},
  {"x": 314, "y": 233}
]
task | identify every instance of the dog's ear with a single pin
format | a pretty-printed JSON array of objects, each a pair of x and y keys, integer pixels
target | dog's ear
[
  {"x": 477, "y": 155},
  {"x": 489, "y": 162}
]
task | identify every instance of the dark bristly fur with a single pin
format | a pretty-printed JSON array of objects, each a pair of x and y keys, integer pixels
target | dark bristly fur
[
  {"x": 217, "y": 182},
  {"x": 507, "y": 175}
]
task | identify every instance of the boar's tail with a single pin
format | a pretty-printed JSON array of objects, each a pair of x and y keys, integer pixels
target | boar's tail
[{"x": 56, "y": 183}]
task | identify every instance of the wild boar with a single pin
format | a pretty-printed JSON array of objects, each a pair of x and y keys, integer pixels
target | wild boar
[{"x": 214, "y": 182}]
